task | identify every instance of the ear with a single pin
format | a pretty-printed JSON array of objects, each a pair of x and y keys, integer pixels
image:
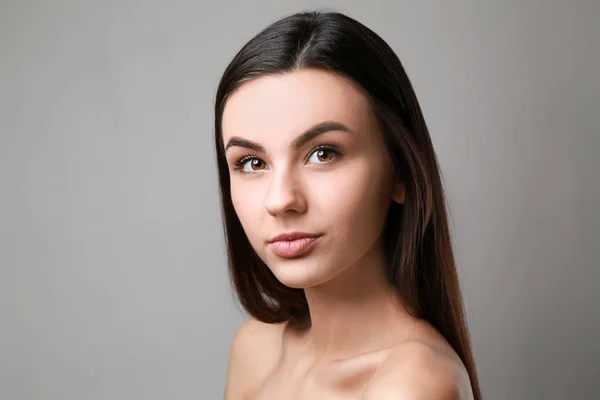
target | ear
[{"x": 399, "y": 191}]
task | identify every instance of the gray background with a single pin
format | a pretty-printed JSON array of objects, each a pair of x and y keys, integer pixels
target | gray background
[{"x": 113, "y": 282}]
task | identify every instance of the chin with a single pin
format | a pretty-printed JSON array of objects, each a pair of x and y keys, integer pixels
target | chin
[{"x": 299, "y": 274}]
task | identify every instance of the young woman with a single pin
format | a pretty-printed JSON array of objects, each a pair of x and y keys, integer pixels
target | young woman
[{"x": 335, "y": 220}]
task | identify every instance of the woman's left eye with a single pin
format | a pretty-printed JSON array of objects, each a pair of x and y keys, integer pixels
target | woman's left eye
[{"x": 322, "y": 155}]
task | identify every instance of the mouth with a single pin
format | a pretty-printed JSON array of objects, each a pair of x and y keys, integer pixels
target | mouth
[{"x": 291, "y": 245}]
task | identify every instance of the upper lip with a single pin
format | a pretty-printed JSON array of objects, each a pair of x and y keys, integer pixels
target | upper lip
[{"x": 292, "y": 236}]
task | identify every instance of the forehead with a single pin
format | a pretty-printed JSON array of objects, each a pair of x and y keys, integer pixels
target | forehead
[{"x": 287, "y": 104}]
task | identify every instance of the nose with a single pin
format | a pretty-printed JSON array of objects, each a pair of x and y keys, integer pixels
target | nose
[{"x": 285, "y": 195}]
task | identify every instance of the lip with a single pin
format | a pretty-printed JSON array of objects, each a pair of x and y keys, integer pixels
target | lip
[
  {"x": 293, "y": 236},
  {"x": 295, "y": 244}
]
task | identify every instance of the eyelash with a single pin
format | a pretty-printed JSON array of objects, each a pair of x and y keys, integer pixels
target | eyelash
[{"x": 239, "y": 163}]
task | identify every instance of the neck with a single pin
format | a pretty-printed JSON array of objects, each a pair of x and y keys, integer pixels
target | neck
[{"x": 356, "y": 312}]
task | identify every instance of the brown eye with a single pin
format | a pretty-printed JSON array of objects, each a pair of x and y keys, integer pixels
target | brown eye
[
  {"x": 257, "y": 164},
  {"x": 251, "y": 164},
  {"x": 321, "y": 156}
]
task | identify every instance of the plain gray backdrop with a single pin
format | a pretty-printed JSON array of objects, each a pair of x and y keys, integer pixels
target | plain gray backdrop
[{"x": 113, "y": 281}]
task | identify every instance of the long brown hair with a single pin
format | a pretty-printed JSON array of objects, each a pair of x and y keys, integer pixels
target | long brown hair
[{"x": 418, "y": 248}]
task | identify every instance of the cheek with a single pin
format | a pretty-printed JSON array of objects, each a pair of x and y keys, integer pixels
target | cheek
[
  {"x": 246, "y": 203},
  {"x": 356, "y": 194},
  {"x": 355, "y": 206}
]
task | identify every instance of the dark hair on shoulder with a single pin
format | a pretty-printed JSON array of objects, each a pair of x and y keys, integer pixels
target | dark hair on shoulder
[{"x": 418, "y": 248}]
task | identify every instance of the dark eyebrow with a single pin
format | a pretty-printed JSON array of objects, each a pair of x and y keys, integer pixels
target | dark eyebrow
[{"x": 300, "y": 141}]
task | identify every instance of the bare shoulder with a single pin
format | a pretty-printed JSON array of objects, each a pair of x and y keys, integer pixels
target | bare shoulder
[
  {"x": 416, "y": 370},
  {"x": 253, "y": 353}
]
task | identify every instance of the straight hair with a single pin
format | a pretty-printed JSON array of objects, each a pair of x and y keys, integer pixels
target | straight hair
[{"x": 417, "y": 243}]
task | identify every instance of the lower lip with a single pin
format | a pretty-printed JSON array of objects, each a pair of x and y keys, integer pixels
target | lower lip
[{"x": 293, "y": 248}]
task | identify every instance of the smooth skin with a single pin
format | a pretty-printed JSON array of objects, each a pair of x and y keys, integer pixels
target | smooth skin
[{"x": 337, "y": 183}]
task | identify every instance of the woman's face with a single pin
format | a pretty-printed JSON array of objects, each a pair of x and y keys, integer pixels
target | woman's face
[{"x": 305, "y": 156}]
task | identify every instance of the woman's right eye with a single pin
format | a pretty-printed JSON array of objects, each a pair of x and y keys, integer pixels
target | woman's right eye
[{"x": 249, "y": 165}]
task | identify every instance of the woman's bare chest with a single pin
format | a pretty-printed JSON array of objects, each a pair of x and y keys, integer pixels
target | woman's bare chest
[{"x": 346, "y": 380}]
